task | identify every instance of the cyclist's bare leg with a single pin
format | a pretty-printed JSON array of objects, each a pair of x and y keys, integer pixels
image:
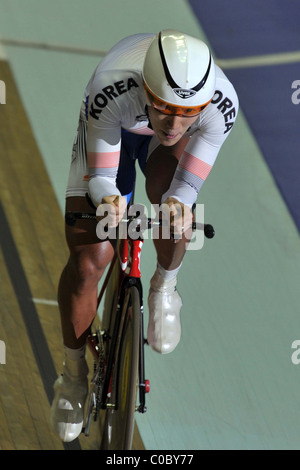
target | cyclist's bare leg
[
  {"x": 164, "y": 327},
  {"x": 77, "y": 293},
  {"x": 160, "y": 169},
  {"x": 77, "y": 297}
]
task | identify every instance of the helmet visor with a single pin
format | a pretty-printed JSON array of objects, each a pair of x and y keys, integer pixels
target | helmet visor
[{"x": 166, "y": 108}]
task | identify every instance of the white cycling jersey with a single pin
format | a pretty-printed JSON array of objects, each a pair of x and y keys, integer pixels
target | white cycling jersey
[{"x": 115, "y": 98}]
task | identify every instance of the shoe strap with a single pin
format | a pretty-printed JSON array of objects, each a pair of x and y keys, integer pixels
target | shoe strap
[{"x": 160, "y": 285}]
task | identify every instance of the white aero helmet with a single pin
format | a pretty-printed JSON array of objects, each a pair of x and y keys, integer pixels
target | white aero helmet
[{"x": 178, "y": 73}]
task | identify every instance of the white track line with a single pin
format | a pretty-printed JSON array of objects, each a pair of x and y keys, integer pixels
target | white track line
[
  {"x": 51, "y": 47},
  {"x": 260, "y": 60},
  {"x": 240, "y": 62},
  {"x": 52, "y": 303}
]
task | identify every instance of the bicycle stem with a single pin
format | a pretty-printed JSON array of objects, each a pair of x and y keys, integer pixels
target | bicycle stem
[{"x": 71, "y": 218}]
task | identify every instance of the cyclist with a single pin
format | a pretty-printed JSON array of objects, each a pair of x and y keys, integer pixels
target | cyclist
[{"x": 159, "y": 99}]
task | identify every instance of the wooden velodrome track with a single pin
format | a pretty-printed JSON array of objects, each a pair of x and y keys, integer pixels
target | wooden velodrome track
[{"x": 33, "y": 253}]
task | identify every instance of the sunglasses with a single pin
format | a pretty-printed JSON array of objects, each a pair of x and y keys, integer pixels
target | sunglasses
[{"x": 169, "y": 109}]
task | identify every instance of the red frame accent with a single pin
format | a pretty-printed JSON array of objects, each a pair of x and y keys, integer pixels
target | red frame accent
[{"x": 135, "y": 249}]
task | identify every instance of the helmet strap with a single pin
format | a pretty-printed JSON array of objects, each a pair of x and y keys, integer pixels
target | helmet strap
[{"x": 147, "y": 114}]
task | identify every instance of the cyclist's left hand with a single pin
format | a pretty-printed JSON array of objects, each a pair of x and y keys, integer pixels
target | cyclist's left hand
[
  {"x": 111, "y": 210},
  {"x": 180, "y": 215}
]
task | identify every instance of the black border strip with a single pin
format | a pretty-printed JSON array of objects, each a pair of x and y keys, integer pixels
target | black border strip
[{"x": 30, "y": 316}]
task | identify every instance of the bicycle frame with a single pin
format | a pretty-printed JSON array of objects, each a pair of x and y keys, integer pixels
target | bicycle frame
[
  {"x": 124, "y": 273},
  {"x": 133, "y": 277},
  {"x": 127, "y": 256}
]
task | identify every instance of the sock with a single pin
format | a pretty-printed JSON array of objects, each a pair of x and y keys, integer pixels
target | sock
[
  {"x": 167, "y": 275},
  {"x": 75, "y": 354}
]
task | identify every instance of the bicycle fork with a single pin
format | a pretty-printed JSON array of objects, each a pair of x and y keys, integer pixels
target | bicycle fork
[{"x": 143, "y": 383}]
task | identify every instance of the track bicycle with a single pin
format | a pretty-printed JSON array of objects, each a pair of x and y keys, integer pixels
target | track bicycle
[{"x": 118, "y": 385}]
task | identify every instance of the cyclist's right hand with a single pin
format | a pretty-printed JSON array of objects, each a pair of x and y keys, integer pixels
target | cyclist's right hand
[
  {"x": 111, "y": 210},
  {"x": 179, "y": 216}
]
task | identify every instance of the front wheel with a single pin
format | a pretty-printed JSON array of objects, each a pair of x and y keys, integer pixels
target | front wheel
[{"x": 118, "y": 425}]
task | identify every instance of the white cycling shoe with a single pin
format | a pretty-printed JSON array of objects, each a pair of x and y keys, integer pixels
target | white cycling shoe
[
  {"x": 70, "y": 392},
  {"x": 164, "y": 327}
]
